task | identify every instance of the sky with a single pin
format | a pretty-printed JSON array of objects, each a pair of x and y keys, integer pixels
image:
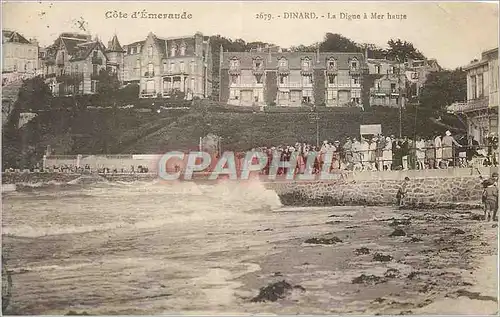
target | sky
[{"x": 452, "y": 32}]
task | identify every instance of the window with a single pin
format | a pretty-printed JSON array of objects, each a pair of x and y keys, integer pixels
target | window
[
  {"x": 172, "y": 67},
  {"x": 192, "y": 84},
  {"x": 393, "y": 87},
  {"x": 62, "y": 56},
  {"x": 150, "y": 69},
  {"x": 172, "y": 50},
  {"x": 295, "y": 96},
  {"x": 283, "y": 62},
  {"x": 284, "y": 95},
  {"x": 138, "y": 50},
  {"x": 306, "y": 80},
  {"x": 76, "y": 68},
  {"x": 258, "y": 79},
  {"x": 95, "y": 71},
  {"x": 394, "y": 70},
  {"x": 234, "y": 79},
  {"x": 183, "y": 49},
  {"x": 192, "y": 67},
  {"x": 378, "y": 86},
  {"x": 377, "y": 69},
  {"x": 258, "y": 65},
  {"x": 150, "y": 86},
  {"x": 356, "y": 96},
  {"x": 234, "y": 63},
  {"x": 331, "y": 64},
  {"x": 306, "y": 96},
  {"x": 473, "y": 87},
  {"x": 305, "y": 63},
  {"x": 150, "y": 51},
  {"x": 480, "y": 86},
  {"x": 355, "y": 80},
  {"x": 354, "y": 64},
  {"x": 283, "y": 79},
  {"x": 95, "y": 54},
  {"x": 93, "y": 86},
  {"x": 234, "y": 94},
  {"x": 165, "y": 66},
  {"x": 182, "y": 67},
  {"x": 138, "y": 63},
  {"x": 331, "y": 95},
  {"x": 331, "y": 79}
]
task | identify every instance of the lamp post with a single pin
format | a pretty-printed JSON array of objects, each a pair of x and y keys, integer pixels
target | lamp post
[{"x": 315, "y": 116}]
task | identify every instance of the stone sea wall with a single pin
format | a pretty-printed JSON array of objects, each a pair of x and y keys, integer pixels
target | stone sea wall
[{"x": 431, "y": 188}]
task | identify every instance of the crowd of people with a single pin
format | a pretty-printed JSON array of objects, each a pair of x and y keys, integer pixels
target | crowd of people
[
  {"x": 382, "y": 153},
  {"x": 86, "y": 169}
]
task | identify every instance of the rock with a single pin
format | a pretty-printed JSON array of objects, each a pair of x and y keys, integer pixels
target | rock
[
  {"x": 382, "y": 257},
  {"x": 332, "y": 240},
  {"x": 74, "y": 313},
  {"x": 391, "y": 273},
  {"x": 275, "y": 291},
  {"x": 398, "y": 233},
  {"x": 412, "y": 275},
  {"x": 333, "y": 222},
  {"x": 458, "y": 231},
  {"x": 400, "y": 222},
  {"x": 361, "y": 251},
  {"x": 415, "y": 239},
  {"x": 368, "y": 279},
  {"x": 476, "y": 217}
]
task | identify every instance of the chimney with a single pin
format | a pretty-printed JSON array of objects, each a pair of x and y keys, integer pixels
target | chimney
[
  {"x": 221, "y": 55},
  {"x": 366, "y": 52},
  {"x": 317, "y": 54}
]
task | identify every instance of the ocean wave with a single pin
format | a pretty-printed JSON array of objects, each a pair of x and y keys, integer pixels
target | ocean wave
[{"x": 139, "y": 206}]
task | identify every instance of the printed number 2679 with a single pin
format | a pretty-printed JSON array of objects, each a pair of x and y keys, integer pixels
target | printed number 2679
[{"x": 263, "y": 16}]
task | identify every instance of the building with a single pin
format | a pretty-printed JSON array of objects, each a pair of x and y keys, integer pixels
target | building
[
  {"x": 388, "y": 82},
  {"x": 166, "y": 66},
  {"x": 73, "y": 63},
  {"x": 416, "y": 75},
  {"x": 271, "y": 77},
  {"x": 481, "y": 108},
  {"x": 18, "y": 54}
]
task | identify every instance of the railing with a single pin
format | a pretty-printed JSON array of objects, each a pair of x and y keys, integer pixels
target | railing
[
  {"x": 385, "y": 91},
  {"x": 149, "y": 74},
  {"x": 148, "y": 94},
  {"x": 412, "y": 159},
  {"x": 471, "y": 105},
  {"x": 252, "y": 85}
]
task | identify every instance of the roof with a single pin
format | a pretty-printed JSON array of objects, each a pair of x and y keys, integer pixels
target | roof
[
  {"x": 82, "y": 51},
  {"x": 13, "y": 37},
  {"x": 270, "y": 60},
  {"x": 134, "y": 44},
  {"x": 114, "y": 45}
]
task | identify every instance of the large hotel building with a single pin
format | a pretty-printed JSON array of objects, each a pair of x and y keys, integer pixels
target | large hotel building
[
  {"x": 271, "y": 77},
  {"x": 160, "y": 66}
]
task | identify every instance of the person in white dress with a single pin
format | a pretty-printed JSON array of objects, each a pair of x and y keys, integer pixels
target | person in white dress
[
  {"x": 439, "y": 150},
  {"x": 420, "y": 149},
  {"x": 387, "y": 154}
]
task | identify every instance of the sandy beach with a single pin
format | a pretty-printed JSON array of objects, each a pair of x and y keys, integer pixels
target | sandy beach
[{"x": 217, "y": 259}]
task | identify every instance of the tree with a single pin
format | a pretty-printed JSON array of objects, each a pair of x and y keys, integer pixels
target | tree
[
  {"x": 108, "y": 86},
  {"x": 338, "y": 43},
  {"x": 443, "y": 88},
  {"x": 34, "y": 95},
  {"x": 402, "y": 51}
]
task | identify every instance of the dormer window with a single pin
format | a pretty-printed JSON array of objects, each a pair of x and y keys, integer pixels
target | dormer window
[
  {"x": 283, "y": 62},
  {"x": 331, "y": 63},
  {"x": 377, "y": 69},
  {"x": 354, "y": 64},
  {"x": 172, "y": 50},
  {"x": 394, "y": 70},
  {"x": 306, "y": 63},
  {"x": 183, "y": 49},
  {"x": 138, "y": 48},
  {"x": 150, "y": 51},
  {"x": 234, "y": 63},
  {"x": 95, "y": 54}
]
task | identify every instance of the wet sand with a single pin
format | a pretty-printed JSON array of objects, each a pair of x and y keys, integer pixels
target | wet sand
[{"x": 444, "y": 263}]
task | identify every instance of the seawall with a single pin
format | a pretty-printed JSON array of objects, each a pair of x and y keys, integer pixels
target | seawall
[{"x": 425, "y": 189}]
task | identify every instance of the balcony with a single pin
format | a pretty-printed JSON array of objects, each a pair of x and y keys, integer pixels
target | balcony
[
  {"x": 148, "y": 94},
  {"x": 246, "y": 85},
  {"x": 355, "y": 71},
  {"x": 331, "y": 70},
  {"x": 258, "y": 69},
  {"x": 96, "y": 61},
  {"x": 470, "y": 106},
  {"x": 393, "y": 92},
  {"x": 282, "y": 69},
  {"x": 94, "y": 76},
  {"x": 306, "y": 70},
  {"x": 149, "y": 74},
  {"x": 234, "y": 70}
]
